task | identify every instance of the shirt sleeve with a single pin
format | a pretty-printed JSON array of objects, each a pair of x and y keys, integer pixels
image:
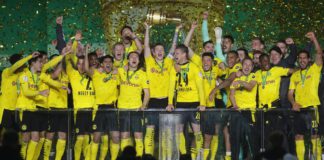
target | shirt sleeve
[
  {"x": 49, "y": 81},
  {"x": 24, "y": 86},
  {"x": 52, "y": 63},
  {"x": 204, "y": 30},
  {"x": 145, "y": 82},
  {"x": 280, "y": 71},
  {"x": 196, "y": 60},
  {"x": 292, "y": 84},
  {"x": 18, "y": 64}
]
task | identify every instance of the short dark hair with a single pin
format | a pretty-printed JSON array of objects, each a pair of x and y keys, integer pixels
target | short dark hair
[
  {"x": 247, "y": 59},
  {"x": 263, "y": 55},
  {"x": 244, "y": 50},
  {"x": 101, "y": 59},
  {"x": 183, "y": 48},
  {"x": 209, "y": 54},
  {"x": 14, "y": 58},
  {"x": 233, "y": 52},
  {"x": 229, "y": 37},
  {"x": 207, "y": 42},
  {"x": 132, "y": 53},
  {"x": 259, "y": 39},
  {"x": 126, "y": 27},
  {"x": 157, "y": 44},
  {"x": 304, "y": 51},
  {"x": 257, "y": 52},
  {"x": 275, "y": 48},
  {"x": 282, "y": 41},
  {"x": 34, "y": 59},
  {"x": 92, "y": 54}
]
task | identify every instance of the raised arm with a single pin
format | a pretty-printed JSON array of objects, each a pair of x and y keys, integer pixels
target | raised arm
[
  {"x": 292, "y": 57},
  {"x": 52, "y": 63},
  {"x": 190, "y": 33},
  {"x": 218, "y": 46},
  {"x": 138, "y": 43},
  {"x": 175, "y": 39},
  {"x": 319, "y": 53},
  {"x": 147, "y": 49},
  {"x": 59, "y": 34},
  {"x": 204, "y": 27},
  {"x": 87, "y": 68},
  {"x": 21, "y": 62}
]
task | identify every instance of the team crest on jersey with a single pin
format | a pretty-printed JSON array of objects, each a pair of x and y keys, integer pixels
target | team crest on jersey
[
  {"x": 24, "y": 127},
  {"x": 253, "y": 76},
  {"x": 136, "y": 77},
  {"x": 147, "y": 82},
  {"x": 94, "y": 127},
  {"x": 237, "y": 67},
  {"x": 25, "y": 78}
]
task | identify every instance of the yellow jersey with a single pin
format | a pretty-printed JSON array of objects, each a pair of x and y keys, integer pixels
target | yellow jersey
[
  {"x": 121, "y": 63},
  {"x": 58, "y": 96},
  {"x": 29, "y": 93},
  {"x": 188, "y": 83},
  {"x": 209, "y": 80},
  {"x": 131, "y": 87},
  {"x": 228, "y": 72},
  {"x": 245, "y": 99},
  {"x": 131, "y": 48},
  {"x": 269, "y": 84},
  {"x": 10, "y": 85},
  {"x": 158, "y": 75},
  {"x": 105, "y": 87},
  {"x": 305, "y": 83},
  {"x": 82, "y": 88}
]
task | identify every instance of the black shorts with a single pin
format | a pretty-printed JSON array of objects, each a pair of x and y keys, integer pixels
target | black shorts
[
  {"x": 152, "y": 118},
  {"x": 83, "y": 121},
  {"x": 34, "y": 121},
  {"x": 274, "y": 120},
  {"x": 131, "y": 121},
  {"x": 305, "y": 121},
  {"x": 105, "y": 121},
  {"x": 10, "y": 119},
  {"x": 58, "y": 120},
  {"x": 209, "y": 120},
  {"x": 188, "y": 116},
  {"x": 219, "y": 103}
]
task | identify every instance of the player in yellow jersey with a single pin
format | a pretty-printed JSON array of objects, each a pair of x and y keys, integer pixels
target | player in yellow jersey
[
  {"x": 210, "y": 120},
  {"x": 230, "y": 74},
  {"x": 133, "y": 82},
  {"x": 119, "y": 55},
  {"x": 268, "y": 78},
  {"x": 243, "y": 98},
  {"x": 105, "y": 83},
  {"x": 190, "y": 94},
  {"x": 10, "y": 89},
  {"x": 158, "y": 68},
  {"x": 130, "y": 41},
  {"x": 57, "y": 81},
  {"x": 303, "y": 95},
  {"x": 32, "y": 122},
  {"x": 83, "y": 102}
]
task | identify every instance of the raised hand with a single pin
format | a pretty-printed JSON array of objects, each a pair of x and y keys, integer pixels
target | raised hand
[
  {"x": 194, "y": 25},
  {"x": 78, "y": 35},
  {"x": 35, "y": 54},
  {"x": 205, "y": 15},
  {"x": 311, "y": 36},
  {"x": 289, "y": 41},
  {"x": 59, "y": 20}
]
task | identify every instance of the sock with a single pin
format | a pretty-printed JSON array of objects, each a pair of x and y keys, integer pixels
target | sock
[
  {"x": 47, "y": 148},
  {"x": 38, "y": 148},
  {"x": 193, "y": 153},
  {"x": 124, "y": 143},
  {"x": 164, "y": 144},
  {"x": 114, "y": 150},
  {"x": 31, "y": 150},
  {"x": 78, "y": 147},
  {"x": 168, "y": 144},
  {"x": 60, "y": 148},
  {"x": 104, "y": 147},
  {"x": 94, "y": 151},
  {"x": 23, "y": 149},
  {"x": 300, "y": 149},
  {"x": 139, "y": 147},
  {"x": 199, "y": 141},
  {"x": 149, "y": 141},
  {"x": 213, "y": 147},
  {"x": 317, "y": 148},
  {"x": 182, "y": 144},
  {"x": 205, "y": 154},
  {"x": 85, "y": 144},
  {"x": 228, "y": 156}
]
